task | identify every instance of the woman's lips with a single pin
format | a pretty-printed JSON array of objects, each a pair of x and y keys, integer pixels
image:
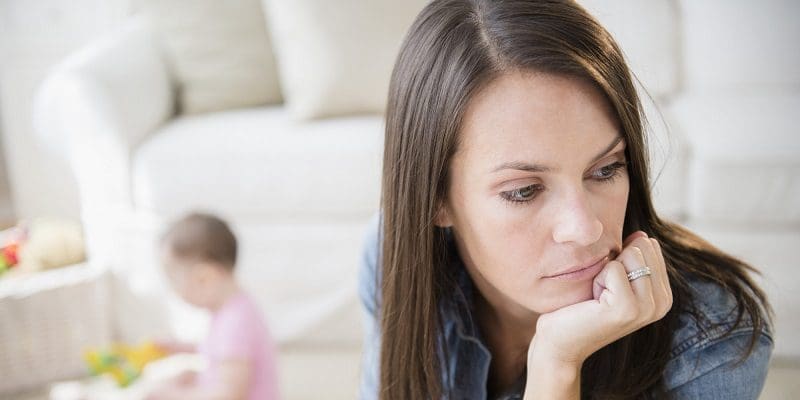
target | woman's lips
[{"x": 582, "y": 273}]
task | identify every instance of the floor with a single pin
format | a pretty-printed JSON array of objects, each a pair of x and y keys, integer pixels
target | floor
[
  {"x": 783, "y": 382},
  {"x": 305, "y": 374}
]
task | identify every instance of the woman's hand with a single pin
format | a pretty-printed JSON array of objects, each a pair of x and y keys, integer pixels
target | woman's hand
[{"x": 565, "y": 338}]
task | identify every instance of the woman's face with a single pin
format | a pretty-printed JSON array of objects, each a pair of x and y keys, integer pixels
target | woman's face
[{"x": 537, "y": 188}]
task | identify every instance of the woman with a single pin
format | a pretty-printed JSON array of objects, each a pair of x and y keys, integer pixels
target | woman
[{"x": 518, "y": 254}]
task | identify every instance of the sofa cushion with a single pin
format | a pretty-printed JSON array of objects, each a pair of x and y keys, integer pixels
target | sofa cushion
[
  {"x": 741, "y": 44},
  {"x": 745, "y": 162},
  {"x": 259, "y": 164},
  {"x": 304, "y": 278},
  {"x": 336, "y": 57},
  {"x": 219, "y": 52},
  {"x": 647, "y": 33}
]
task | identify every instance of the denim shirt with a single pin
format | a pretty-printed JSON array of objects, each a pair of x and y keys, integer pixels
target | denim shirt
[{"x": 703, "y": 364}]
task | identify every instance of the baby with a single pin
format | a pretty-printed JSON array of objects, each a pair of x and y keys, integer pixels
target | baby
[{"x": 199, "y": 257}]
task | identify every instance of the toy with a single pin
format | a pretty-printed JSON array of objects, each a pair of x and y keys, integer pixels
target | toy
[
  {"x": 51, "y": 243},
  {"x": 124, "y": 363},
  {"x": 10, "y": 241},
  {"x": 41, "y": 244}
]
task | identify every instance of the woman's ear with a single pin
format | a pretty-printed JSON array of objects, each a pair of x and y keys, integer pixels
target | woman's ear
[{"x": 443, "y": 219}]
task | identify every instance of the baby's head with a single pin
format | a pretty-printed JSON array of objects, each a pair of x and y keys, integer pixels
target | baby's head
[{"x": 198, "y": 253}]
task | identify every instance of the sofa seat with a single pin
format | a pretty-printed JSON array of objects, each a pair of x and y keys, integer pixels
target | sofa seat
[{"x": 263, "y": 165}]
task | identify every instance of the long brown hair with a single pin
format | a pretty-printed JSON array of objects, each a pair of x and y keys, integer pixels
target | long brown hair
[{"x": 453, "y": 50}]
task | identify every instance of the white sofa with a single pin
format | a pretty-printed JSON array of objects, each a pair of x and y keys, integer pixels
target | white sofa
[{"x": 300, "y": 191}]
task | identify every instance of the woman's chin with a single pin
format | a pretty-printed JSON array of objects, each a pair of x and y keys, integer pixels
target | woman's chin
[{"x": 566, "y": 299}]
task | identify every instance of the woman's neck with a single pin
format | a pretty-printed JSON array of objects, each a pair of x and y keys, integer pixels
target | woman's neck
[{"x": 508, "y": 336}]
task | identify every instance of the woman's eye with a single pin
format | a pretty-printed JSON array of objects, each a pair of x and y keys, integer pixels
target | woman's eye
[
  {"x": 610, "y": 171},
  {"x": 523, "y": 194}
]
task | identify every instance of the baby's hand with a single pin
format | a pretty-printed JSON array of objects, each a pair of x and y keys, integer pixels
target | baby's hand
[
  {"x": 173, "y": 387},
  {"x": 165, "y": 391},
  {"x": 185, "y": 378},
  {"x": 172, "y": 346}
]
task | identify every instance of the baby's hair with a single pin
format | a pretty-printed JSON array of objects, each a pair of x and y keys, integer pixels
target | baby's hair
[{"x": 201, "y": 237}]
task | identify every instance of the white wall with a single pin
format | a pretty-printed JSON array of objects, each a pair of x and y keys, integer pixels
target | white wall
[{"x": 34, "y": 35}]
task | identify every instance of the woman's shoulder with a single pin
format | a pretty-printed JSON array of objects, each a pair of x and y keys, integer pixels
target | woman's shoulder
[
  {"x": 710, "y": 345},
  {"x": 712, "y": 315}
]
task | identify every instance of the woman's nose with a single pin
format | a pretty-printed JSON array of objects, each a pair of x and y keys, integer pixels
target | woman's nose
[{"x": 576, "y": 221}]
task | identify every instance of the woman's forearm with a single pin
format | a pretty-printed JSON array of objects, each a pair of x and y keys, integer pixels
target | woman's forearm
[{"x": 550, "y": 379}]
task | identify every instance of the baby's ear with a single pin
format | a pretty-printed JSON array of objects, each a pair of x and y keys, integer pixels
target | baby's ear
[{"x": 443, "y": 218}]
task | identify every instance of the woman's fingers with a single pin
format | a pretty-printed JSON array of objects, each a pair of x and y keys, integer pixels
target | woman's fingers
[
  {"x": 633, "y": 236},
  {"x": 660, "y": 281},
  {"x": 635, "y": 256},
  {"x": 613, "y": 284},
  {"x": 666, "y": 290},
  {"x": 653, "y": 291}
]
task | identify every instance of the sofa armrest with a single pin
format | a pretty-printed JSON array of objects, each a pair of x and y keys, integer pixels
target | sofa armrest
[{"x": 98, "y": 105}]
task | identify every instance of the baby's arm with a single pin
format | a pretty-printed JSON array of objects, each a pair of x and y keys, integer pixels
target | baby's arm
[
  {"x": 234, "y": 379},
  {"x": 171, "y": 346}
]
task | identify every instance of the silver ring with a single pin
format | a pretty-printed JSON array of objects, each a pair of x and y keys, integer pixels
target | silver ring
[{"x": 636, "y": 274}]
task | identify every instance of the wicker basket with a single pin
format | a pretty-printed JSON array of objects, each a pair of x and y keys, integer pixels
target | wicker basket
[{"x": 47, "y": 319}]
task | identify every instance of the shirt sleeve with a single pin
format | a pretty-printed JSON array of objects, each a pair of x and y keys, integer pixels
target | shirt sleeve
[
  {"x": 368, "y": 293},
  {"x": 232, "y": 337},
  {"x": 717, "y": 371}
]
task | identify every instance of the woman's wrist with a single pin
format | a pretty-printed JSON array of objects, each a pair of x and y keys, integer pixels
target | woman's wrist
[
  {"x": 550, "y": 377},
  {"x": 552, "y": 380}
]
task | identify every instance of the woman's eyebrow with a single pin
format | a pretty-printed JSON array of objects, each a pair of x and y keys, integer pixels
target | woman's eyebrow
[{"x": 528, "y": 167}]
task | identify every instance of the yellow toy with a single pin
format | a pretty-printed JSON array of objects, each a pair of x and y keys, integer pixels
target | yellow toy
[{"x": 124, "y": 363}]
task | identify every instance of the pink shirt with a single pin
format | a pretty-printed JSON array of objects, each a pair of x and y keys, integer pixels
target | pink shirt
[{"x": 238, "y": 332}]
